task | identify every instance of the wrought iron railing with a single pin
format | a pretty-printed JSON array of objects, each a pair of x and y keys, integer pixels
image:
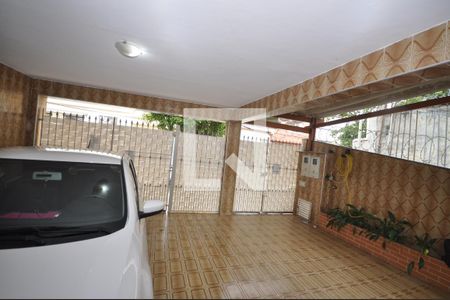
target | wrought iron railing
[{"x": 421, "y": 135}]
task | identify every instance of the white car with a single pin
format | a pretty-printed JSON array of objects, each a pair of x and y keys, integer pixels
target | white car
[{"x": 70, "y": 226}]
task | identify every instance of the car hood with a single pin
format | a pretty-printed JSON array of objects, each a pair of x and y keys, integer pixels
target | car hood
[{"x": 92, "y": 268}]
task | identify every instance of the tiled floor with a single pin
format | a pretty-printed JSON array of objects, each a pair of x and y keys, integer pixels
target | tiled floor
[{"x": 211, "y": 256}]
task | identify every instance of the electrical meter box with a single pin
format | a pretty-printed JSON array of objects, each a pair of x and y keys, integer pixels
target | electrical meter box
[
  {"x": 314, "y": 168},
  {"x": 305, "y": 165},
  {"x": 310, "y": 166}
]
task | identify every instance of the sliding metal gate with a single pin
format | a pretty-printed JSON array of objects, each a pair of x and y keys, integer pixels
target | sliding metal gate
[
  {"x": 208, "y": 166},
  {"x": 280, "y": 177}
]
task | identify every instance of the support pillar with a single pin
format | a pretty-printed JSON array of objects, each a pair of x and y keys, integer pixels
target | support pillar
[
  {"x": 233, "y": 135},
  {"x": 39, "y": 119},
  {"x": 31, "y": 114},
  {"x": 312, "y": 134}
]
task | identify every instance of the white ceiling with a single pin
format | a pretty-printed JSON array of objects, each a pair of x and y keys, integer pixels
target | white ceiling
[{"x": 217, "y": 52}]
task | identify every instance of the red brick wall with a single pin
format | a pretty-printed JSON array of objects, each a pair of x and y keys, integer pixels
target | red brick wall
[{"x": 435, "y": 271}]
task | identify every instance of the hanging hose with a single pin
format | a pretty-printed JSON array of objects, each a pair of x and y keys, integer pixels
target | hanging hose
[{"x": 344, "y": 165}]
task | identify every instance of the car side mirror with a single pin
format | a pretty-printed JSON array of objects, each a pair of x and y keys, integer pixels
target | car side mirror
[{"x": 151, "y": 207}]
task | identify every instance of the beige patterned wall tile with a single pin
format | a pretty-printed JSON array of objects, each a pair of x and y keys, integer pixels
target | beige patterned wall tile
[
  {"x": 271, "y": 104},
  {"x": 70, "y": 91},
  {"x": 300, "y": 94},
  {"x": 295, "y": 94},
  {"x": 279, "y": 102},
  {"x": 420, "y": 193},
  {"x": 372, "y": 67},
  {"x": 14, "y": 102},
  {"x": 307, "y": 90},
  {"x": 429, "y": 47},
  {"x": 378, "y": 72},
  {"x": 287, "y": 95},
  {"x": 397, "y": 59},
  {"x": 352, "y": 74},
  {"x": 335, "y": 80},
  {"x": 447, "y": 57},
  {"x": 321, "y": 85},
  {"x": 296, "y": 89}
]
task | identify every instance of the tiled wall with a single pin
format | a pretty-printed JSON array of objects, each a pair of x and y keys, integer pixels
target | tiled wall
[
  {"x": 63, "y": 90},
  {"x": 312, "y": 190},
  {"x": 408, "y": 62},
  {"x": 419, "y": 192},
  {"x": 14, "y": 101},
  {"x": 229, "y": 176}
]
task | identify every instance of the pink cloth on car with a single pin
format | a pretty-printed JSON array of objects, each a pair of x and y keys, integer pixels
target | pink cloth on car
[{"x": 18, "y": 215}]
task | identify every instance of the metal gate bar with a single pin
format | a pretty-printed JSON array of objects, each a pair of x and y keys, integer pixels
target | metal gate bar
[
  {"x": 208, "y": 164},
  {"x": 280, "y": 176}
]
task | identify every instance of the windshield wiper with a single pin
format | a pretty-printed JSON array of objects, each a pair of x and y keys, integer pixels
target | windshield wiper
[
  {"x": 71, "y": 231},
  {"x": 52, "y": 231},
  {"x": 26, "y": 239}
]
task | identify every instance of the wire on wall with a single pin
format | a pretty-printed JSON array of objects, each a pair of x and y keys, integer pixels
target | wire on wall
[{"x": 344, "y": 166}]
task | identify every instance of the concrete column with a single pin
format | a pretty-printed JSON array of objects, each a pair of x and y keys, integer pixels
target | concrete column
[
  {"x": 233, "y": 134},
  {"x": 39, "y": 119},
  {"x": 30, "y": 113}
]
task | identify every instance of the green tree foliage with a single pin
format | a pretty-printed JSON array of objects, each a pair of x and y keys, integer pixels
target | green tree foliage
[
  {"x": 348, "y": 133},
  {"x": 435, "y": 95},
  {"x": 168, "y": 122}
]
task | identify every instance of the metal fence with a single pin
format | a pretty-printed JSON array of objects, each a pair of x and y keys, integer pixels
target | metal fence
[
  {"x": 420, "y": 135},
  {"x": 150, "y": 148},
  {"x": 160, "y": 161},
  {"x": 280, "y": 173}
]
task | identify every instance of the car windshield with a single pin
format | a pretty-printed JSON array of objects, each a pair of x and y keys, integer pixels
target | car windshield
[{"x": 60, "y": 195}]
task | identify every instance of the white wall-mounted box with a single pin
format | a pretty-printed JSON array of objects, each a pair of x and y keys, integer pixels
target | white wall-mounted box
[
  {"x": 314, "y": 168},
  {"x": 306, "y": 162}
]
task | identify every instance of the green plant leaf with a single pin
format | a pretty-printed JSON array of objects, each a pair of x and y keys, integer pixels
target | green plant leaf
[
  {"x": 418, "y": 240},
  {"x": 410, "y": 267},
  {"x": 391, "y": 216},
  {"x": 405, "y": 222},
  {"x": 352, "y": 207},
  {"x": 391, "y": 235},
  {"x": 421, "y": 263}
]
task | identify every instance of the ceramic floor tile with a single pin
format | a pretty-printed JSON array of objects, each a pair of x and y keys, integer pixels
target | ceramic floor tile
[{"x": 210, "y": 256}]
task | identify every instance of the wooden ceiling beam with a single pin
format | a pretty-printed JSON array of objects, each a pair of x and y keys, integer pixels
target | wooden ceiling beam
[
  {"x": 284, "y": 126},
  {"x": 295, "y": 117}
]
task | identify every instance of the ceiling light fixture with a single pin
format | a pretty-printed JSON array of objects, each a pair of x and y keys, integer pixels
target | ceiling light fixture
[{"x": 128, "y": 49}]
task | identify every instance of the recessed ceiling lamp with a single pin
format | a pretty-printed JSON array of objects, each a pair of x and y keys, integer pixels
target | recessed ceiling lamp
[{"x": 128, "y": 49}]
